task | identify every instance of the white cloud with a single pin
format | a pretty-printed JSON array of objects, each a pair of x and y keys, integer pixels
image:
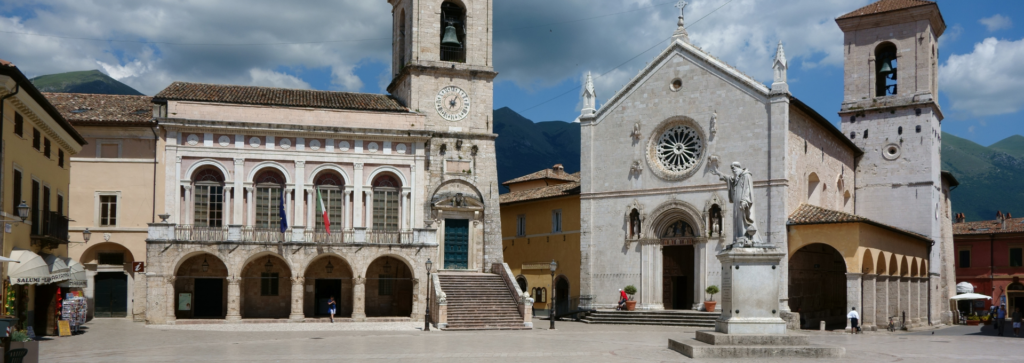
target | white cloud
[
  {"x": 951, "y": 35},
  {"x": 268, "y": 78},
  {"x": 986, "y": 81},
  {"x": 996, "y": 22}
]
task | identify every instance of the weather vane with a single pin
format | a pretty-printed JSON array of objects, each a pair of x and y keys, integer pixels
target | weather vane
[{"x": 681, "y": 5}]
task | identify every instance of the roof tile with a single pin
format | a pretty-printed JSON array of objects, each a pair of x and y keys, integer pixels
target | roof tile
[
  {"x": 809, "y": 214},
  {"x": 546, "y": 174},
  {"x": 253, "y": 95},
  {"x": 886, "y": 6},
  {"x": 550, "y": 191},
  {"x": 1013, "y": 225},
  {"x": 99, "y": 109}
]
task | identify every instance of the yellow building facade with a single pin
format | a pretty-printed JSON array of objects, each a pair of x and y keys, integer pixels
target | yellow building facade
[
  {"x": 37, "y": 146},
  {"x": 540, "y": 219}
]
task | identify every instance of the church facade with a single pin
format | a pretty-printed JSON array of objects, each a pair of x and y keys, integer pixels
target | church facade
[
  {"x": 862, "y": 210},
  {"x": 276, "y": 200}
]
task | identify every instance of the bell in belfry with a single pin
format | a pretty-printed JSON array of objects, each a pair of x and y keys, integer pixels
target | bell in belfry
[
  {"x": 886, "y": 69},
  {"x": 450, "y": 38}
]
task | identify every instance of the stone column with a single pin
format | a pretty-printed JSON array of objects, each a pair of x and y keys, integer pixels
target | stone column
[
  {"x": 868, "y": 314},
  {"x": 853, "y": 294},
  {"x": 297, "y": 297},
  {"x": 300, "y": 200},
  {"x": 311, "y": 208},
  {"x": 359, "y": 299},
  {"x": 234, "y": 299},
  {"x": 176, "y": 216},
  {"x": 239, "y": 207},
  {"x": 186, "y": 213},
  {"x": 251, "y": 210},
  {"x": 348, "y": 223},
  {"x": 894, "y": 296},
  {"x": 882, "y": 301},
  {"x": 913, "y": 308},
  {"x": 172, "y": 299},
  {"x": 368, "y": 205},
  {"x": 414, "y": 201},
  {"x": 406, "y": 209},
  {"x": 357, "y": 202},
  {"x": 904, "y": 306},
  {"x": 923, "y": 302},
  {"x": 288, "y": 206},
  {"x": 226, "y": 213}
]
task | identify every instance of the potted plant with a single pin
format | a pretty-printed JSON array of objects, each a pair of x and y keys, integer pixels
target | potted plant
[
  {"x": 973, "y": 320},
  {"x": 986, "y": 320},
  {"x": 630, "y": 304},
  {"x": 20, "y": 339},
  {"x": 709, "y": 305}
]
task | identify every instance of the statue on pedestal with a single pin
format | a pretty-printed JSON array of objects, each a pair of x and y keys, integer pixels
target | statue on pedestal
[{"x": 741, "y": 195}]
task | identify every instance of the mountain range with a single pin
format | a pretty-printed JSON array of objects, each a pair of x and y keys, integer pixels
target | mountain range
[{"x": 991, "y": 178}]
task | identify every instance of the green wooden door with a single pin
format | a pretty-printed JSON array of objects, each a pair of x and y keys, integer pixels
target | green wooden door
[{"x": 456, "y": 244}]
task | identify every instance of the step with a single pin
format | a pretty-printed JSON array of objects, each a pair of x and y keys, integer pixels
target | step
[{"x": 699, "y": 325}]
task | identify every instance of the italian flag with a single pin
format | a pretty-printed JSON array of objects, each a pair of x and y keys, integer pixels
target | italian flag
[{"x": 320, "y": 208}]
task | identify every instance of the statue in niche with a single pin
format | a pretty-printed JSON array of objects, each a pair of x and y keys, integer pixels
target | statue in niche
[
  {"x": 459, "y": 200},
  {"x": 634, "y": 224},
  {"x": 714, "y": 124},
  {"x": 715, "y": 220},
  {"x": 741, "y": 195}
]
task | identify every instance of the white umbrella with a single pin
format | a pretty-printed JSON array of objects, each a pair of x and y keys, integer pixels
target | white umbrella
[
  {"x": 31, "y": 271},
  {"x": 970, "y": 296},
  {"x": 7, "y": 259}
]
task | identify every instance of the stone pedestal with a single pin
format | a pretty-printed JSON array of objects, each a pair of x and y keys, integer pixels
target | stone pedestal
[
  {"x": 751, "y": 325},
  {"x": 750, "y": 290}
]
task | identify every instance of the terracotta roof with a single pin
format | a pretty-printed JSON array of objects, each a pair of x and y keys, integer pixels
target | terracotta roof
[
  {"x": 96, "y": 109},
  {"x": 546, "y": 174},
  {"x": 5, "y": 63},
  {"x": 884, "y": 6},
  {"x": 1013, "y": 225},
  {"x": 25, "y": 85},
  {"x": 252, "y": 95},
  {"x": 809, "y": 214},
  {"x": 551, "y": 191}
]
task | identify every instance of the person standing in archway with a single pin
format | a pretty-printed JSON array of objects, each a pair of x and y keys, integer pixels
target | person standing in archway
[
  {"x": 854, "y": 317},
  {"x": 332, "y": 307}
]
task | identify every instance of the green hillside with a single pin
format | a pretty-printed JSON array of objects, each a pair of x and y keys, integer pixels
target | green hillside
[
  {"x": 524, "y": 147},
  {"x": 83, "y": 82},
  {"x": 990, "y": 177}
]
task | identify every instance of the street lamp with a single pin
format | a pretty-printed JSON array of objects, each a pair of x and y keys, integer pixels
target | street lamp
[
  {"x": 554, "y": 266},
  {"x": 23, "y": 210},
  {"x": 330, "y": 267},
  {"x": 426, "y": 315},
  {"x": 205, "y": 265},
  {"x": 86, "y": 234},
  {"x": 269, "y": 266}
]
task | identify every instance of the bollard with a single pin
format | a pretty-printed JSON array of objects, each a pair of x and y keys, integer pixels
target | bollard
[{"x": 822, "y": 325}]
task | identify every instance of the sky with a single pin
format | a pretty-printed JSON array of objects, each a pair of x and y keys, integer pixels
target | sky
[{"x": 542, "y": 48}]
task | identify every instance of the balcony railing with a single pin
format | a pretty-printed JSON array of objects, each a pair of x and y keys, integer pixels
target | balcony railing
[
  {"x": 188, "y": 232},
  {"x": 54, "y": 228},
  {"x": 253, "y": 234},
  {"x": 388, "y": 237},
  {"x": 337, "y": 237},
  {"x": 453, "y": 54}
]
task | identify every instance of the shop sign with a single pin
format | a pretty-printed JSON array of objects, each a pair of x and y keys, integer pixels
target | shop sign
[
  {"x": 185, "y": 301},
  {"x": 57, "y": 277},
  {"x": 139, "y": 266},
  {"x": 64, "y": 328}
]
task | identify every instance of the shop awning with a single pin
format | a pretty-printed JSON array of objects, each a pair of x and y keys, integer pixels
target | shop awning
[
  {"x": 76, "y": 274},
  {"x": 58, "y": 268},
  {"x": 970, "y": 296},
  {"x": 7, "y": 259},
  {"x": 31, "y": 269}
]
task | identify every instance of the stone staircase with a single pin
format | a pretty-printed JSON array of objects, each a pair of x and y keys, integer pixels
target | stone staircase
[
  {"x": 480, "y": 301},
  {"x": 655, "y": 317}
]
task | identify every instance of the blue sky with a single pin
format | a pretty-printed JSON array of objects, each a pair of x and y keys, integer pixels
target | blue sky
[{"x": 541, "y": 49}]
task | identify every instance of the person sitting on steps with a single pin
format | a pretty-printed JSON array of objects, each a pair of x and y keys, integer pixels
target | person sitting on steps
[{"x": 622, "y": 300}]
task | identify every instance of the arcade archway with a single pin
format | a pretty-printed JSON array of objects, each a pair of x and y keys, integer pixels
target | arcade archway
[
  {"x": 200, "y": 290},
  {"x": 817, "y": 286},
  {"x": 389, "y": 288}
]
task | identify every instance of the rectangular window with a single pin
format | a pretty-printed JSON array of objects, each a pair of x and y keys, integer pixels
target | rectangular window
[
  {"x": 521, "y": 225},
  {"x": 36, "y": 138},
  {"x": 60, "y": 204},
  {"x": 965, "y": 258},
  {"x": 556, "y": 221},
  {"x": 17, "y": 197},
  {"x": 19, "y": 125},
  {"x": 385, "y": 285},
  {"x": 45, "y": 212},
  {"x": 334, "y": 203},
  {"x": 108, "y": 210},
  {"x": 109, "y": 151},
  {"x": 268, "y": 283},
  {"x": 60, "y": 157},
  {"x": 1016, "y": 256},
  {"x": 268, "y": 201},
  {"x": 110, "y": 258},
  {"x": 46, "y": 147},
  {"x": 385, "y": 209},
  {"x": 209, "y": 206},
  {"x": 34, "y": 215}
]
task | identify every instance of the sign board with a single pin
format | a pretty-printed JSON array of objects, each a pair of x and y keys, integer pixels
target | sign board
[
  {"x": 185, "y": 301},
  {"x": 65, "y": 328},
  {"x": 139, "y": 266},
  {"x": 7, "y": 227}
]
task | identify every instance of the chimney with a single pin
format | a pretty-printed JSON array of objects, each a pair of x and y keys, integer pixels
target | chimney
[
  {"x": 1008, "y": 216},
  {"x": 558, "y": 168},
  {"x": 999, "y": 215}
]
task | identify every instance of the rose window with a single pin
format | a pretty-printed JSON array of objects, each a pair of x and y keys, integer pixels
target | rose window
[{"x": 679, "y": 149}]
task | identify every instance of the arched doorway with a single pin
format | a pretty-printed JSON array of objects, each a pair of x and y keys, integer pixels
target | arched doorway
[
  {"x": 199, "y": 288},
  {"x": 562, "y": 295},
  {"x": 110, "y": 284},
  {"x": 677, "y": 265},
  {"x": 817, "y": 286},
  {"x": 330, "y": 276},
  {"x": 266, "y": 288},
  {"x": 388, "y": 288}
]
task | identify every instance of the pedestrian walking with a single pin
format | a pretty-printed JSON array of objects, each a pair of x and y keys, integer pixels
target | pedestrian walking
[
  {"x": 854, "y": 317},
  {"x": 1016, "y": 317},
  {"x": 332, "y": 307},
  {"x": 622, "y": 300},
  {"x": 1000, "y": 319}
]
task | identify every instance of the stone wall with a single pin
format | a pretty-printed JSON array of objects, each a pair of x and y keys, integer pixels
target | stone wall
[{"x": 813, "y": 149}]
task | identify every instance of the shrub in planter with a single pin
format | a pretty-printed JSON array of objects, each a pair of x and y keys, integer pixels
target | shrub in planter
[
  {"x": 709, "y": 305},
  {"x": 630, "y": 304}
]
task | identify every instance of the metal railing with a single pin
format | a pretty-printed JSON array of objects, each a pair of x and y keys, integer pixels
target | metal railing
[
  {"x": 188, "y": 232},
  {"x": 388, "y": 237},
  {"x": 253, "y": 234},
  {"x": 453, "y": 54},
  {"x": 338, "y": 237},
  {"x": 53, "y": 227}
]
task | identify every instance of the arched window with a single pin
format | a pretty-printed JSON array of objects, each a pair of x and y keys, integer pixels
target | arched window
[
  {"x": 208, "y": 206},
  {"x": 521, "y": 280},
  {"x": 678, "y": 229},
  {"x": 813, "y": 190},
  {"x": 385, "y": 203},
  {"x": 885, "y": 70},
  {"x": 330, "y": 187},
  {"x": 268, "y": 184},
  {"x": 453, "y": 32}
]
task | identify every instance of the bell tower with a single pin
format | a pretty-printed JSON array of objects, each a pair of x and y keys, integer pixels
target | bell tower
[
  {"x": 442, "y": 69},
  {"x": 891, "y": 111}
]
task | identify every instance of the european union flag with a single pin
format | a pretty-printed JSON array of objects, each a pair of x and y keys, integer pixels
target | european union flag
[{"x": 280, "y": 212}]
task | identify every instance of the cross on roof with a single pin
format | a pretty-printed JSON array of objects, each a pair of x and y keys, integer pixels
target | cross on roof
[{"x": 682, "y": 6}]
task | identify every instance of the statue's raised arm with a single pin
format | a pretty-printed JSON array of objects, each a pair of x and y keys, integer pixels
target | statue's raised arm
[{"x": 741, "y": 195}]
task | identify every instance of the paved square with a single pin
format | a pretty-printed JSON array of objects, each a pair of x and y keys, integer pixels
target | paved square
[{"x": 116, "y": 340}]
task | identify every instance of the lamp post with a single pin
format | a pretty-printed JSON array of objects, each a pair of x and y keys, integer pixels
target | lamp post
[
  {"x": 554, "y": 266},
  {"x": 426, "y": 315},
  {"x": 86, "y": 234}
]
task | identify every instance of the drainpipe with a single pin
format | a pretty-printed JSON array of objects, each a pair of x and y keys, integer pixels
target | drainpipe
[{"x": 156, "y": 140}]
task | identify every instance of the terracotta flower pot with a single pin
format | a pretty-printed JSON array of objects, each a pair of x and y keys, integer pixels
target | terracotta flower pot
[
  {"x": 710, "y": 305},
  {"x": 630, "y": 305},
  {"x": 973, "y": 322}
]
